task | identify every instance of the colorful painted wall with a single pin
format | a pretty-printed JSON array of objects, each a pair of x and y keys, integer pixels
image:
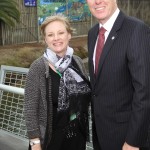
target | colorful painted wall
[{"x": 75, "y": 10}]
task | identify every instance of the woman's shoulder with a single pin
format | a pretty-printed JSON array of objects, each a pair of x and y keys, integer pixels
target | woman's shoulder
[
  {"x": 77, "y": 58},
  {"x": 80, "y": 64},
  {"x": 78, "y": 61},
  {"x": 37, "y": 61},
  {"x": 38, "y": 64}
]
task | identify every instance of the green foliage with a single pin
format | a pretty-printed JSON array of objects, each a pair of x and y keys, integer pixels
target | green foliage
[{"x": 9, "y": 12}]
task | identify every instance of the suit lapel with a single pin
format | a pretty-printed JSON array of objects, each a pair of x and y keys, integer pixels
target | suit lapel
[{"x": 110, "y": 41}]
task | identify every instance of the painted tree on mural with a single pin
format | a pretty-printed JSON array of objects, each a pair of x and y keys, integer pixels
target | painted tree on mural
[{"x": 9, "y": 14}]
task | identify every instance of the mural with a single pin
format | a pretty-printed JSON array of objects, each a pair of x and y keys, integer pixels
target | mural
[{"x": 75, "y": 10}]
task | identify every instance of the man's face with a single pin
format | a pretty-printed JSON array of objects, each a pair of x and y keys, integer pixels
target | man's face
[{"x": 102, "y": 9}]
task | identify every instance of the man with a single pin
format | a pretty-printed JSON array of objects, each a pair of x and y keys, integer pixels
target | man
[{"x": 121, "y": 82}]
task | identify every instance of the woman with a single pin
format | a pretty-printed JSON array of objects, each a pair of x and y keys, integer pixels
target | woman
[{"x": 57, "y": 93}]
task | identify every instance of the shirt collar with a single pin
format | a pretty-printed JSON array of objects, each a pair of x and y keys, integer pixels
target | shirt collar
[{"x": 109, "y": 24}]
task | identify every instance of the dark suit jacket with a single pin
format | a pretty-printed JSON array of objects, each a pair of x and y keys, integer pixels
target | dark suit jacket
[{"x": 121, "y": 91}]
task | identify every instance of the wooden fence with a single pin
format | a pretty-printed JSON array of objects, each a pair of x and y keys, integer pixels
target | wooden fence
[{"x": 27, "y": 30}]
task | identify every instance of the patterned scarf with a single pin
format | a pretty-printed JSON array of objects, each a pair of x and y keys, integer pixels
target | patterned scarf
[{"x": 71, "y": 83}]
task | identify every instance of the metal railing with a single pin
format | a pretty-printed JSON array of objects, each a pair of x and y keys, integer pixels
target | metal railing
[
  {"x": 11, "y": 89},
  {"x": 12, "y": 83},
  {"x": 12, "y": 99}
]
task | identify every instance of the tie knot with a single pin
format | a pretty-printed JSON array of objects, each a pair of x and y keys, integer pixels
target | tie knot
[{"x": 102, "y": 30}]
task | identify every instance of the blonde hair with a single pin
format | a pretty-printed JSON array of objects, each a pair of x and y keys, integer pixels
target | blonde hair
[{"x": 57, "y": 17}]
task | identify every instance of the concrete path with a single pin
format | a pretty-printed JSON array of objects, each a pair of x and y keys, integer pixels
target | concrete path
[{"x": 11, "y": 142}]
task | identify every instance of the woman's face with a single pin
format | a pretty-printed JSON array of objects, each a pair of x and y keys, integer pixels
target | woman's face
[{"x": 57, "y": 38}]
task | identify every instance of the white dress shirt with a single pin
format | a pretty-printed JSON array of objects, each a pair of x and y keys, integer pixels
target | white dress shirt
[{"x": 108, "y": 26}]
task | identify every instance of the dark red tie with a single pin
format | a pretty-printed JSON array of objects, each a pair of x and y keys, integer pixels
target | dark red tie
[{"x": 99, "y": 48}]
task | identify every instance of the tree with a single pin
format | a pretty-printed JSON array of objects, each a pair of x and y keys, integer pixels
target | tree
[{"x": 9, "y": 12}]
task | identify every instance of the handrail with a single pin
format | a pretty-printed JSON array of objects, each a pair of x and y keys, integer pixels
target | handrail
[{"x": 12, "y": 89}]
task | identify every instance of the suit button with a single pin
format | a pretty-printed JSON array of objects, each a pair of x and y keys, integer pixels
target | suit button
[{"x": 94, "y": 95}]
